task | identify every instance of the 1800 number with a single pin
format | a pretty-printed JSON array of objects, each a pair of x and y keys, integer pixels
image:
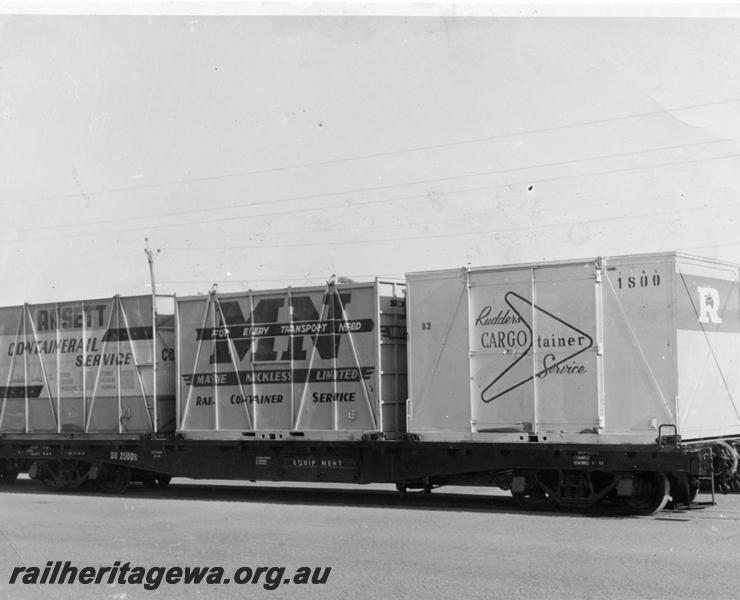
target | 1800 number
[{"x": 643, "y": 281}]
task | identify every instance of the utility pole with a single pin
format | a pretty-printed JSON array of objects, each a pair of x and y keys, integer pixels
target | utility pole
[
  {"x": 155, "y": 358},
  {"x": 150, "y": 259}
]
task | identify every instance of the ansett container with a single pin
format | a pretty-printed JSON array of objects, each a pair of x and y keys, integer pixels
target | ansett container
[
  {"x": 605, "y": 350},
  {"x": 88, "y": 367},
  {"x": 311, "y": 362}
]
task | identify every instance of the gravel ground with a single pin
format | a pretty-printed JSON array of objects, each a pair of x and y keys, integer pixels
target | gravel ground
[{"x": 456, "y": 543}]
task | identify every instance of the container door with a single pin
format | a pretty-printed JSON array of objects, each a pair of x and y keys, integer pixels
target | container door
[
  {"x": 501, "y": 358},
  {"x": 534, "y": 363},
  {"x": 567, "y": 387},
  {"x": 336, "y": 375}
]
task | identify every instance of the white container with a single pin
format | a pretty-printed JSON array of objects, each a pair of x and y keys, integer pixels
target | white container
[
  {"x": 314, "y": 362},
  {"x": 87, "y": 367},
  {"x": 598, "y": 351}
]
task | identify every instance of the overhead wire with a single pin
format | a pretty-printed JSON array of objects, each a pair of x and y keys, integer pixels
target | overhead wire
[
  {"x": 232, "y": 218},
  {"x": 361, "y": 190},
  {"x": 376, "y": 154},
  {"x": 467, "y": 232},
  {"x": 353, "y": 204},
  {"x": 537, "y": 211},
  {"x": 78, "y": 267},
  {"x": 540, "y": 212}
]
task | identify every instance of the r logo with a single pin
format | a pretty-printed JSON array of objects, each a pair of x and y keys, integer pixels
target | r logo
[{"x": 708, "y": 305}]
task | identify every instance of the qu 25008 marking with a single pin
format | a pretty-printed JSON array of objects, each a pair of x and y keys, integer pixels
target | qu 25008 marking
[{"x": 124, "y": 456}]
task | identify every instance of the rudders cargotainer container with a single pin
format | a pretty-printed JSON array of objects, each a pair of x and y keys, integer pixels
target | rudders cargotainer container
[{"x": 611, "y": 350}]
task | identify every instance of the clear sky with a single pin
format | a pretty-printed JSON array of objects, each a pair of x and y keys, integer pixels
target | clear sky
[{"x": 264, "y": 151}]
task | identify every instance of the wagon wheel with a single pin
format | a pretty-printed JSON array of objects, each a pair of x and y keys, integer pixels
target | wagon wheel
[
  {"x": 532, "y": 500},
  {"x": 50, "y": 481},
  {"x": 8, "y": 473},
  {"x": 726, "y": 458},
  {"x": 115, "y": 480},
  {"x": 163, "y": 480},
  {"x": 533, "y": 497},
  {"x": 149, "y": 480},
  {"x": 59, "y": 475},
  {"x": 650, "y": 493}
]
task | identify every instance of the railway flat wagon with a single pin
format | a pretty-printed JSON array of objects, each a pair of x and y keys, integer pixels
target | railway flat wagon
[{"x": 569, "y": 383}]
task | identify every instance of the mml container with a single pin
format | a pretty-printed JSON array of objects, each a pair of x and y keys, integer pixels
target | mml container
[
  {"x": 610, "y": 350},
  {"x": 88, "y": 367},
  {"x": 311, "y": 362}
]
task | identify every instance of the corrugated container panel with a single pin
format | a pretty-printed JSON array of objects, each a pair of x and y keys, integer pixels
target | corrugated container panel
[
  {"x": 87, "y": 367},
  {"x": 321, "y": 362},
  {"x": 604, "y": 350}
]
